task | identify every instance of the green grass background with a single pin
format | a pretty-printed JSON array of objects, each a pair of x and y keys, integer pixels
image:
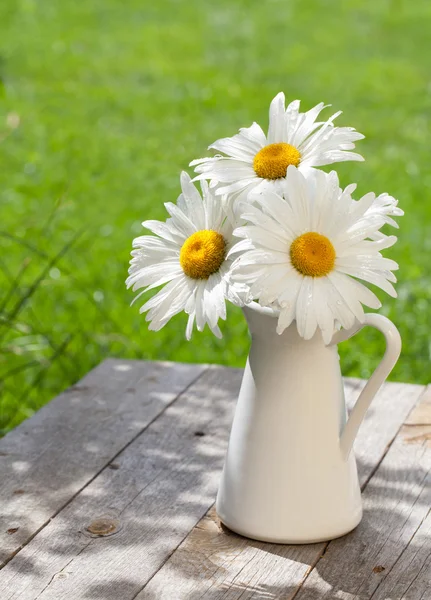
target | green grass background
[{"x": 115, "y": 98}]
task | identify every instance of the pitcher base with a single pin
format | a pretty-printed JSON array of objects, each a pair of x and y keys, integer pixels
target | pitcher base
[{"x": 286, "y": 539}]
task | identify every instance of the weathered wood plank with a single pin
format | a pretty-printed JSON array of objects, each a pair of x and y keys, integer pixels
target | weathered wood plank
[
  {"x": 410, "y": 577},
  {"x": 388, "y": 556},
  {"x": 421, "y": 415},
  {"x": 162, "y": 485},
  {"x": 213, "y": 563},
  {"x": 50, "y": 457},
  {"x": 387, "y": 413}
]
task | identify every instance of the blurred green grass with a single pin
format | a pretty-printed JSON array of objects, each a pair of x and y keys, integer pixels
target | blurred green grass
[{"x": 114, "y": 99}]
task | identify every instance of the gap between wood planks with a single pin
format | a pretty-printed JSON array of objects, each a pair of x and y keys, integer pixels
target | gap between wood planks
[
  {"x": 426, "y": 393},
  {"x": 205, "y": 368}
]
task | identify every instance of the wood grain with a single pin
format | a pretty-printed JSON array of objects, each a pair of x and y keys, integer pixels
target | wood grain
[
  {"x": 164, "y": 483},
  {"x": 214, "y": 564},
  {"x": 56, "y": 453}
]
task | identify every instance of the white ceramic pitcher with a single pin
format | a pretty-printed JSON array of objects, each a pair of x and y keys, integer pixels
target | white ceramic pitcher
[{"x": 289, "y": 474}]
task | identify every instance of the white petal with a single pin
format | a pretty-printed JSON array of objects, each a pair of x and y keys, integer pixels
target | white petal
[
  {"x": 149, "y": 275},
  {"x": 288, "y": 303},
  {"x": 359, "y": 290},
  {"x": 299, "y": 199},
  {"x": 337, "y": 304},
  {"x": 216, "y": 331},
  {"x": 285, "y": 318},
  {"x": 200, "y": 314},
  {"x": 214, "y": 215},
  {"x": 254, "y": 134},
  {"x": 170, "y": 303},
  {"x": 289, "y": 293},
  {"x": 306, "y": 321},
  {"x": 240, "y": 247},
  {"x": 277, "y": 130},
  {"x": 348, "y": 293},
  {"x": 324, "y": 315},
  {"x": 368, "y": 261},
  {"x": 225, "y": 170},
  {"x": 260, "y": 257},
  {"x": 213, "y": 300},
  {"x": 371, "y": 277},
  {"x": 193, "y": 201},
  {"x": 189, "y": 328},
  {"x": 268, "y": 287},
  {"x": 243, "y": 146},
  {"x": 307, "y": 126},
  {"x": 242, "y": 186},
  {"x": 180, "y": 220},
  {"x": 164, "y": 230},
  {"x": 264, "y": 239},
  {"x": 283, "y": 219}
]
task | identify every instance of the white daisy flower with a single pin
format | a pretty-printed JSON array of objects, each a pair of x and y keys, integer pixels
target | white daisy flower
[
  {"x": 307, "y": 248},
  {"x": 189, "y": 255},
  {"x": 294, "y": 138}
]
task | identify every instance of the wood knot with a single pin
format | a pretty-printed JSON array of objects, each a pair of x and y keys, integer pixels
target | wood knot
[
  {"x": 378, "y": 569},
  {"x": 103, "y": 526}
]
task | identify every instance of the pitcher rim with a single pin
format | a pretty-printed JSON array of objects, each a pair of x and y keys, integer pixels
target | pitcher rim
[{"x": 262, "y": 310}]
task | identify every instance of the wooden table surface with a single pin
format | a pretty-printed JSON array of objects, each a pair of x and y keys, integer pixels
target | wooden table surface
[{"x": 108, "y": 493}]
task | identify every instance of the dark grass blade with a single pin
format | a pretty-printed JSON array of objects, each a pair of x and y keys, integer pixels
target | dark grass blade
[{"x": 34, "y": 286}]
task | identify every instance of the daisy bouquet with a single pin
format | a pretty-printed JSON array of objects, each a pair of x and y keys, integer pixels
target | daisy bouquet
[{"x": 270, "y": 227}]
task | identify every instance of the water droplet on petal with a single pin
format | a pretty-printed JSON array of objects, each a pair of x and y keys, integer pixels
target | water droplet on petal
[{"x": 339, "y": 302}]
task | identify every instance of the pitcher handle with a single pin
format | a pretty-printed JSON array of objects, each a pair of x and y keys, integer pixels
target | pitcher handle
[{"x": 392, "y": 353}]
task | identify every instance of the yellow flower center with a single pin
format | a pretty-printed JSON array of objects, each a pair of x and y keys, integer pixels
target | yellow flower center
[
  {"x": 272, "y": 161},
  {"x": 202, "y": 254},
  {"x": 312, "y": 254}
]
